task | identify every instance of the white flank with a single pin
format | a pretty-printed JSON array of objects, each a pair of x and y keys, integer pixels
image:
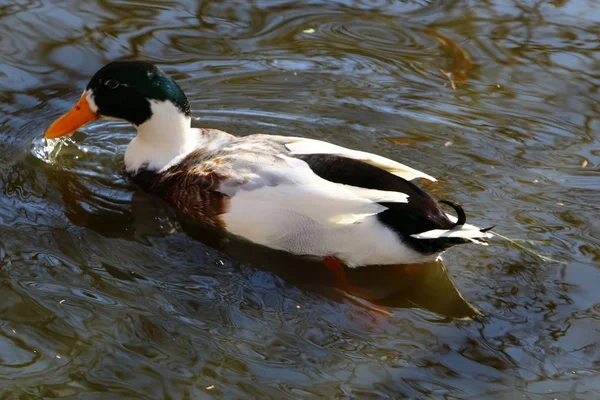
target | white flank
[
  {"x": 163, "y": 140},
  {"x": 356, "y": 240},
  {"x": 312, "y": 146},
  {"x": 290, "y": 208}
]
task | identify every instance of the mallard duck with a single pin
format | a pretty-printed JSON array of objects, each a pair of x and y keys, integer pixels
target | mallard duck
[{"x": 303, "y": 196}]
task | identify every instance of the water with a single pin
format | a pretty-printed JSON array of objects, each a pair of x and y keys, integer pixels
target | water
[{"x": 103, "y": 293}]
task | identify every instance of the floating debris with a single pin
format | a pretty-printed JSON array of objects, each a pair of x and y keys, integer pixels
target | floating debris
[
  {"x": 309, "y": 30},
  {"x": 210, "y": 387},
  {"x": 448, "y": 144},
  {"x": 461, "y": 63},
  {"x": 515, "y": 242},
  {"x": 584, "y": 164},
  {"x": 58, "y": 356},
  {"x": 461, "y": 60},
  {"x": 450, "y": 77},
  {"x": 62, "y": 301}
]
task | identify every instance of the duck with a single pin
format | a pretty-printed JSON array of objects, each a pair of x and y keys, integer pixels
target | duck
[{"x": 299, "y": 195}]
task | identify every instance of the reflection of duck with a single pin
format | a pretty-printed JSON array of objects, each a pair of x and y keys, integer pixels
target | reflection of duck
[
  {"x": 426, "y": 286},
  {"x": 298, "y": 195}
]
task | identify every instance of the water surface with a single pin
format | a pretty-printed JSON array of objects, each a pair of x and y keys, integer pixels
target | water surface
[{"x": 102, "y": 292}]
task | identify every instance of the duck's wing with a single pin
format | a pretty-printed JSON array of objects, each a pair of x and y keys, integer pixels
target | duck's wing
[
  {"x": 288, "y": 187},
  {"x": 303, "y": 146}
]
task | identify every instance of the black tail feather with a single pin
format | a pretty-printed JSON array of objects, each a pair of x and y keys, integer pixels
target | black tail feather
[
  {"x": 484, "y": 230},
  {"x": 460, "y": 213}
]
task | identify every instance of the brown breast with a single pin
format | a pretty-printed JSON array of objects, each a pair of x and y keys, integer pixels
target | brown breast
[{"x": 192, "y": 191}]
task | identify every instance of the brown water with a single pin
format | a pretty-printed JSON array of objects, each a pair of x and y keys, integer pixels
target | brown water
[{"x": 101, "y": 292}]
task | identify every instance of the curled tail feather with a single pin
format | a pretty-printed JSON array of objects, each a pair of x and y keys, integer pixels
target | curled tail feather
[
  {"x": 460, "y": 213},
  {"x": 460, "y": 232}
]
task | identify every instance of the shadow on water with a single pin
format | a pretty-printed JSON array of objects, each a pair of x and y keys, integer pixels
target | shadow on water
[{"x": 145, "y": 216}]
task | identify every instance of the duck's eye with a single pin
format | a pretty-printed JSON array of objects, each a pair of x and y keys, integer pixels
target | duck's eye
[{"x": 111, "y": 84}]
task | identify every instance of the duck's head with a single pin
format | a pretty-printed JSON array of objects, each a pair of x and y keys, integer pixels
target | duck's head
[{"x": 133, "y": 91}]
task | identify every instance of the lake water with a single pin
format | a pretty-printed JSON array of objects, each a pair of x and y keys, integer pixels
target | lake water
[{"x": 103, "y": 296}]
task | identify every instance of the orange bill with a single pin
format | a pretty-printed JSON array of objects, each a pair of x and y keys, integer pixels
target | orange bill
[{"x": 80, "y": 115}]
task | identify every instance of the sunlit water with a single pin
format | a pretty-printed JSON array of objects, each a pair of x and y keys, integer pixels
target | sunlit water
[{"x": 102, "y": 291}]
